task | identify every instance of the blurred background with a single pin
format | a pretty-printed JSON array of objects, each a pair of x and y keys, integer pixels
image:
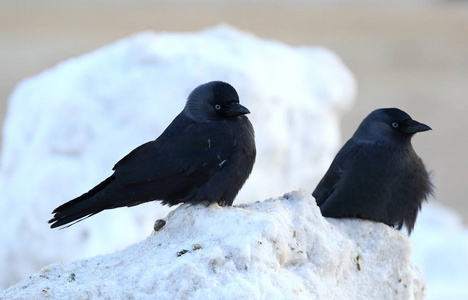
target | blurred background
[{"x": 408, "y": 55}]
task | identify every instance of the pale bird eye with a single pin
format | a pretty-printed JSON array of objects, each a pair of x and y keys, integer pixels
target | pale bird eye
[
  {"x": 217, "y": 107},
  {"x": 395, "y": 125}
]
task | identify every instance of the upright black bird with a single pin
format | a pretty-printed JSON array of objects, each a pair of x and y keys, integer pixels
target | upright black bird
[
  {"x": 377, "y": 175},
  {"x": 205, "y": 155}
]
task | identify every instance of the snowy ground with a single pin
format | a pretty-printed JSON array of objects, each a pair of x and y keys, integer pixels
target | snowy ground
[
  {"x": 69, "y": 125},
  {"x": 277, "y": 249}
]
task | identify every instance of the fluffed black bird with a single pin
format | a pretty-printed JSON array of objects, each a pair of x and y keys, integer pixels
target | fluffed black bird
[
  {"x": 204, "y": 156},
  {"x": 377, "y": 175}
]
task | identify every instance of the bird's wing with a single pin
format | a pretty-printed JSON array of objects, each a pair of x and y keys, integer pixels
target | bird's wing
[
  {"x": 362, "y": 180},
  {"x": 182, "y": 158},
  {"x": 337, "y": 168}
]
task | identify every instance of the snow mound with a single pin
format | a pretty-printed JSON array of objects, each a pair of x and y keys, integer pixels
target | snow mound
[
  {"x": 67, "y": 127},
  {"x": 277, "y": 249},
  {"x": 441, "y": 246}
]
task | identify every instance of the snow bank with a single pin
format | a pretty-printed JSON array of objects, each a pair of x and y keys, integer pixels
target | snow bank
[
  {"x": 67, "y": 127},
  {"x": 277, "y": 249},
  {"x": 440, "y": 243}
]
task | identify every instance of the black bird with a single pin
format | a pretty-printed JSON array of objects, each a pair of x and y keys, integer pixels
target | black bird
[
  {"x": 204, "y": 156},
  {"x": 377, "y": 175}
]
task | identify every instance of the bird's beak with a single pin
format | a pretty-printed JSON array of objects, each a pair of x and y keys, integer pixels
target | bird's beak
[
  {"x": 235, "y": 109},
  {"x": 413, "y": 126}
]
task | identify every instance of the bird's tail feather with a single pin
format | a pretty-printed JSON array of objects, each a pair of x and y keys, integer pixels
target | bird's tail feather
[{"x": 81, "y": 207}]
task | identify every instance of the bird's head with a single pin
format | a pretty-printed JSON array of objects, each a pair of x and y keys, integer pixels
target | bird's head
[
  {"x": 212, "y": 101},
  {"x": 389, "y": 123}
]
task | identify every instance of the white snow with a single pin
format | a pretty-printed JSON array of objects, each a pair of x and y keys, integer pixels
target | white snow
[
  {"x": 277, "y": 249},
  {"x": 440, "y": 244},
  {"x": 67, "y": 126}
]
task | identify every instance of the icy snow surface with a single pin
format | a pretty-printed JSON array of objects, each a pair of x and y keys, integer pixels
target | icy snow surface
[
  {"x": 277, "y": 249},
  {"x": 68, "y": 126}
]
